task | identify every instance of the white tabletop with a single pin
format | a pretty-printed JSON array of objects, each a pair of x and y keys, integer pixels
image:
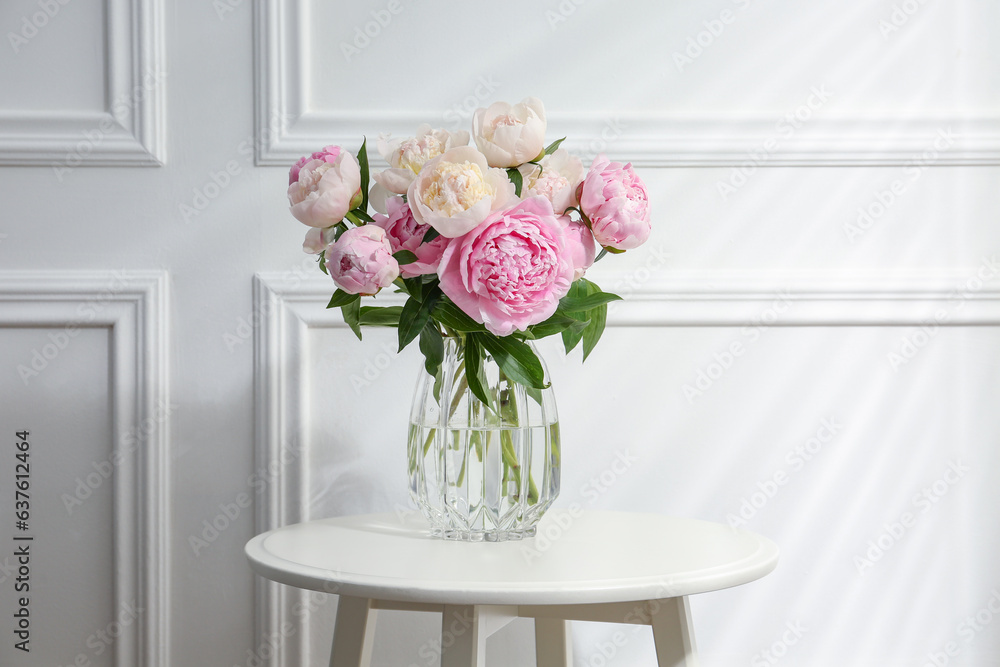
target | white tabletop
[{"x": 587, "y": 558}]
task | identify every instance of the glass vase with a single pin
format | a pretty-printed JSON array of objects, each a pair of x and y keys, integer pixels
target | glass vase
[{"x": 477, "y": 472}]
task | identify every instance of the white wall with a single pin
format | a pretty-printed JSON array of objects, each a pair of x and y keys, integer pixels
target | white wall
[{"x": 126, "y": 251}]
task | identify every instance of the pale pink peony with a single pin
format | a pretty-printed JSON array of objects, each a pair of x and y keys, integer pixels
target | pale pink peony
[
  {"x": 325, "y": 188},
  {"x": 556, "y": 177},
  {"x": 405, "y": 233},
  {"x": 510, "y": 271},
  {"x": 455, "y": 191},
  {"x": 328, "y": 154},
  {"x": 406, "y": 157},
  {"x": 509, "y": 135},
  {"x": 579, "y": 245},
  {"x": 617, "y": 204},
  {"x": 318, "y": 239},
  {"x": 361, "y": 261}
]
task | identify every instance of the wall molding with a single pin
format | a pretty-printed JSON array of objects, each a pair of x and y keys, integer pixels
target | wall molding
[
  {"x": 287, "y": 129},
  {"x": 288, "y": 304},
  {"x": 133, "y": 305},
  {"x": 130, "y": 131}
]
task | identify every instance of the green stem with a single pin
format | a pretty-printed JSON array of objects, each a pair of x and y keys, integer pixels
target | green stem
[{"x": 429, "y": 440}]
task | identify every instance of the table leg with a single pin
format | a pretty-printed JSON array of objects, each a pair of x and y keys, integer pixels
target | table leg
[
  {"x": 553, "y": 643},
  {"x": 354, "y": 633},
  {"x": 463, "y": 637},
  {"x": 673, "y": 632}
]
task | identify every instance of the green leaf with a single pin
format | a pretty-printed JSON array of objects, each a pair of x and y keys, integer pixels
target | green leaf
[
  {"x": 515, "y": 177},
  {"x": 592, "y": 334},
  {"x": 572, "y": 337},
  {"x": 515, "y": 358},
  {"x": 380, "y": 316},
  {"x": 365, "y": 176},
  {"x": 453, "y": 317},
  {"x": 551, "y": 148},
  {"x": 430, "y": 287},
  {"x": 414, "y": 317},
  {"x": 404, "y": 256},
  {"x": 339, "y": 230},
  {"x": 600, "y": 255},
  {"x": 613, "y": 251},
  {"x": 363, "y": 215},
  {"x": 474, "y": 373},
  {"x": 432, "y": 347},
  {"x": 352, "y": 216},
  {"x": 414, "y": 287},
  {"x": 569, "y": 304},
  {"x": 322, "y": 263},
  {"x": 430, "y": 235},
  {"x": 342, "y": 298},
  {"x": 352, "y": 316},
  {"x": 555, "y": 324}
]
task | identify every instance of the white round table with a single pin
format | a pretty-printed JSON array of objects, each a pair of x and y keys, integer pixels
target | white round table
[{"x": 593, "y": 566}]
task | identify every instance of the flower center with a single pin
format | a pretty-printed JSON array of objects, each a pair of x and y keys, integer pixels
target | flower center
[
  {"x": 413, "y": 153},
  {"x": 455, "y": 187},
  {"x": 506, "y": 120},
  {"x": 515, "y": 265},
  {"x": 547, "y": 183}
]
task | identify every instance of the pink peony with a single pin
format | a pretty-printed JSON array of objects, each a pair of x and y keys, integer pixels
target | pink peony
[
  {"x": 325, "y": 187},
  {"x": 328, "y": 154},
  {"x": 510, "y": 271},
  {"x": 361, "y": 261},
  {"x": 616, "y": 201},
  {"x": 579, "y": 245},
  {"x": 405, "y": 233}
]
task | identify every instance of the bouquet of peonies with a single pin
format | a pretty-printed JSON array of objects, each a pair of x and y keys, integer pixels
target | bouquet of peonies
[{"x": 489, "y": 243}]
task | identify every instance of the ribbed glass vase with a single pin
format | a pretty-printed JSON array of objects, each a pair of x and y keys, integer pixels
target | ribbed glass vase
[{"x": 479, "y": 473}]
